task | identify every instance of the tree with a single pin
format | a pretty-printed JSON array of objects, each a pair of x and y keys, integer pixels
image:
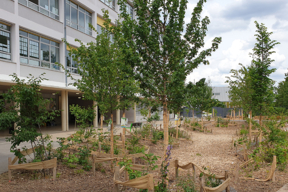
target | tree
[
  {"x": 104, "y": 71},
  {"x": 260, "y": 70},
  {"x": 167, "y": 49},
  {"x": 281, "y": 93},
  {"x": 199, "y": 96},
  {"x": 26, "y": 107},
  {"x": 251, "y": 87}
]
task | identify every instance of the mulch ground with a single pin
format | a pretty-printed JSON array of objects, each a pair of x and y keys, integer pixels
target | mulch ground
[{"x": 212, "y": 151}]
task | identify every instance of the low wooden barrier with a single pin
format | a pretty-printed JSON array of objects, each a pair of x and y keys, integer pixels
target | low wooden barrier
[
  {"x": 33, "y": 166},
  {"x": 144, "y": 182},
  {"x": 193, "y": 166},
  {"x": 270, "y": 176},
  {"x": 99, "y": 157}
]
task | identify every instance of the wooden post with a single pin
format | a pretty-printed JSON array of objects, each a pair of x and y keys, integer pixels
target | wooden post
[
  {"x": 124, "y": 133},
  {"x": 212, "y": 112},
  {"x": 226, "y": 177},
  {"x": 93, "y": 164},
  {"x": 202, "y": 184},
  {"x": 116, "y": 186},
  {"x": 176, "y": 168},
  {"x": 54, "y": 170},
  {"x": 232, "y": 142},
  {"x": 273, "y": 176},
  {"x": 234, "y": 114},
  {"x": 194, "y": 172},
  {"x": 250, "y": 126},
  {"x": 9, "y": 170},
  {"x": 245, "y": 154},
  {"x": 99, "y": 146}
]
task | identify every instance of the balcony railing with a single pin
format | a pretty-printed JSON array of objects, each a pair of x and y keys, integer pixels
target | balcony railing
[{"x": 38, "y": 8}]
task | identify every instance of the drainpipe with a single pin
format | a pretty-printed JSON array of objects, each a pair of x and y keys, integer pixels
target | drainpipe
[{"x": 65, "y": 47}]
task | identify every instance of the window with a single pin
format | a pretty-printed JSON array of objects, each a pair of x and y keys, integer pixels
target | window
[
  {"x": 216, "y": 93},
  {"x": 78, "y": 18},
  {"x": 5, "y": 49},
  {"x": 129, "y": 10},
  {"x": 71, "y": 63},
  {"x": 47, "y": 7},
  {"x": 38, "y": 51},
  {"x": 109, "y": 3}
]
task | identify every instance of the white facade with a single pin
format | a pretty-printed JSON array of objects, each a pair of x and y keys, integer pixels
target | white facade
[
  {"x": 31, "y": 34},
  {"x": 221, "y": 93}
]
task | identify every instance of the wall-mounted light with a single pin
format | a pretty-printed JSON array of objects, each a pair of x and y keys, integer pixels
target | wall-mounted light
[
  {"x": 79, "y": 97},
  {"x": 53, "y": 93},
  {"x": 77, "y": 93}
]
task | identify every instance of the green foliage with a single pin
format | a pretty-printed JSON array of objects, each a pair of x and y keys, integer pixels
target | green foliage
[
  {"x": 136, "y": 149},
  {"x": 181, "y": 133},
  {"x": 83, "y": 116},
  {"x": 281, "y": 93},
  {"x": 132, "y": 173},
  {"x": 199, "y": 96},
  {"x": 134, "y": 140},
  {"x": 79, "y": 171},
  {"x": 251, "y": 87},
  {"x": 186, "y": 183},
  {"x": 244, "y": 132},
  {"x": 163, "y": 52},
  {"x": 25, "y": 106},
  {"x": 210, "y": 181},
  {"x": 275, "y": 142},
  {"x": 157, "y": 135}
]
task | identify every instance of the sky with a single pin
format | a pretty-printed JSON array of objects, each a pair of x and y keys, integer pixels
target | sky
[{"x": 233, "y": 20}]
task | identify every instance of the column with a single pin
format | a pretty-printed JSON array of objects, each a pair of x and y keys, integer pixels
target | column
[
  {"x": 62, "y": 10},
  {"x": 15, "y": 46},
  {"x": 64, "y": 111},
  {"x": 94, "y": 23},
  {"x": 95, "y": 120},
  {"x": 118, "y": 117},
  {"x": 135, "y": 108}
]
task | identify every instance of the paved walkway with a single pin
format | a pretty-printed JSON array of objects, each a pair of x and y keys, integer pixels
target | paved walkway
[{"x": 284, "y": 188}]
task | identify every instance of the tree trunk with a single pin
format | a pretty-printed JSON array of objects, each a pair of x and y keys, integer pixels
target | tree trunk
[
  {"x": 250, "y": 126},
  {"x": 202, "y": 124},
  {"x": 165, "y": 125},
  {"x": 149, "y": 113},
  {"x": 112, "y": 137},
  {"x": 124, "y": 133},
  {"x": 102, "y": 123},
  {"x": 177, "y": 126}
]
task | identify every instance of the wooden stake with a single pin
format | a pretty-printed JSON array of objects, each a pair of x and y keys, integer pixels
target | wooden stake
[
  {"x": 250, "y": 126},
  {"x": 176, "y": 168},
  {"x": 117, "y": 175},
  {"x": 9, "y": 170},
  {"x": 273, "y": 176},
  {"x": 93, "y": 164},
  {"x": 226, "y": 177},
  {"x": 202, "y": 184},
  {"x": 54, "y": 170},
  {"x": 194, "y": 172}
]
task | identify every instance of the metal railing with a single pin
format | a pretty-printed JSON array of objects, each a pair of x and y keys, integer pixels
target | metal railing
[{"x": 38, "y": 8}]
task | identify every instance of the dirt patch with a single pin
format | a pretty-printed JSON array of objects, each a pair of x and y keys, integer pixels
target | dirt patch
[{"x": 214, "y": 151}]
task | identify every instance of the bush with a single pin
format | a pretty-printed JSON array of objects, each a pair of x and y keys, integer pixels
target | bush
[
  {"x": 186, "y": 183},
  {"x": 244, "y": 131}
]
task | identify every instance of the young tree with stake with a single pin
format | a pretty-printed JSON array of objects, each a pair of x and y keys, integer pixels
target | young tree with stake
[{"x": 161, "y": 40}]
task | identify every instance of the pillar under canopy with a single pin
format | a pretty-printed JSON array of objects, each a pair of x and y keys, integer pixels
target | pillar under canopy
[
  {"x": 64, "y": 111},
  {"x": 95, "y": 120}
]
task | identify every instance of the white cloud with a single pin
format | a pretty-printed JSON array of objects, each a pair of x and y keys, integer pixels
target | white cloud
[{"x": 234, "y": 22}]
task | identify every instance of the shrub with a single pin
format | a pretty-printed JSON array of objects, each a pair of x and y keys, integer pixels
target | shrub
[
  {"x": 244, "y": 131},
  {"x": 186, "y": 183}
]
